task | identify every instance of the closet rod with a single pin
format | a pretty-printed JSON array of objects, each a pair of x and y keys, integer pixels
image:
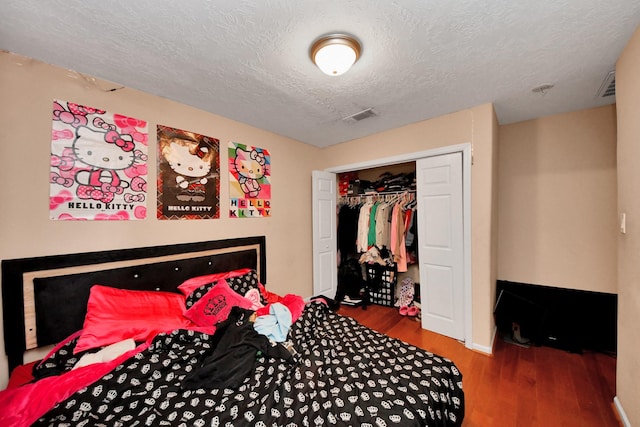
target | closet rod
[{"x": 360, "y": 197}]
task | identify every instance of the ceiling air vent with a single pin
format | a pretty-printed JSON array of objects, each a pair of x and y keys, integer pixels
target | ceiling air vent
[
  {"x": 361, "y": 115},
  {"x": 608, "y": 86}
]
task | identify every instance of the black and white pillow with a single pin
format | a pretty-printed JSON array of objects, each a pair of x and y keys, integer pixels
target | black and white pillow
[
  {"x": 240, "y": 284},
  {"x": 197, "y": 294}
]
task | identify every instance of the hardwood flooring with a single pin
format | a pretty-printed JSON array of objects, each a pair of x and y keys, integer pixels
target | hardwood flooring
[{"x": 516, "y": 386}]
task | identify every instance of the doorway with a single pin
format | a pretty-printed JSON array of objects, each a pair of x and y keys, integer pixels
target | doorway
[{"x": 324, "y": 231}]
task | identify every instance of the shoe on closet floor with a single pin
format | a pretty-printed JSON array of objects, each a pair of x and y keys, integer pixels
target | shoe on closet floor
[
  {"x": 412, "y": 311},
  {"x": 347, "y": 300}
]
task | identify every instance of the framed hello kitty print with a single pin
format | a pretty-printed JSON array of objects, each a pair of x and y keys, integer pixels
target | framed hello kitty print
[
  {"x": 249, "y": 181},
  {"x": 188, "y": 175},
  {"x": 98, "y": 167}
]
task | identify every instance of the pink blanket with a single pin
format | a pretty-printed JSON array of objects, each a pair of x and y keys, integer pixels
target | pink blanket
[{"x": 23, "y": 406}]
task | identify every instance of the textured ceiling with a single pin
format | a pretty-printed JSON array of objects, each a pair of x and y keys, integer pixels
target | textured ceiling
[{"x": 248, "y": 60}]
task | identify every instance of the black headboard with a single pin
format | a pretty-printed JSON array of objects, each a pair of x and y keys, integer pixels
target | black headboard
[{"x": 44, "y": 298}]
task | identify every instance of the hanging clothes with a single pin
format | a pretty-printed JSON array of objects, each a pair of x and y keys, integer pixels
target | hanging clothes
[
  {"x": 348, "y": 230},
  {"x": 388, "y": 222},
  {"x": 371, "y": 235},
  {"x": 382, "y": 226},
  {"x": 362, "y": 243},
  {"x": 398, "y": 248}
]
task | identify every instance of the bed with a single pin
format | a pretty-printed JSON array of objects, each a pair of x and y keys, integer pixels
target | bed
[{"x": 321, "y": 368}]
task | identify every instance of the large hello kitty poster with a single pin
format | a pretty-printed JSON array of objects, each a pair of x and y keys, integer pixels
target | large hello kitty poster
[
  {"x": 188, "y": 175},
  {"x": 249, "y": 181},
  {"x": 98, "y": 165}
]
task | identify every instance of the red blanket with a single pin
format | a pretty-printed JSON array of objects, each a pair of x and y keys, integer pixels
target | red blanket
[{"x": 22, "y": 406}]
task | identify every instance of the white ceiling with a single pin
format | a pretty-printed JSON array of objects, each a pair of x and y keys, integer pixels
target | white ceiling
[{"x": 248, "y": 60}]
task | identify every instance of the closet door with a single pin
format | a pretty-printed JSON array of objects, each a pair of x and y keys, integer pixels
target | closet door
[
  {"x": 325, "y": 280},
  {"x": 441, "y": 244}
]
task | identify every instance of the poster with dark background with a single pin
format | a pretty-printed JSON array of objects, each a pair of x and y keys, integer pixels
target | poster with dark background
[{"x": 188, "y": 175}]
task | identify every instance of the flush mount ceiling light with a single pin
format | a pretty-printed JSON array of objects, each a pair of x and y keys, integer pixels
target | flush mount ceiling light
[{"x": 334, "y": 54}]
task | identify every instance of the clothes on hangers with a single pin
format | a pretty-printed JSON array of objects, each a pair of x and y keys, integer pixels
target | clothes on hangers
[
  {"x": 382, "y": 220},
  {"x": 348, "y": 230},
  {"x": 362, "y": 242}
]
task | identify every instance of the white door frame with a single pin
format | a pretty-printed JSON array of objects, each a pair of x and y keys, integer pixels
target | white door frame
[{"x": 465, "y": 149}]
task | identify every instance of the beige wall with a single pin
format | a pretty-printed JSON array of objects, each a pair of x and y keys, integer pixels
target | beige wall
[
  {"x": 25, "y": 229},
  {"x": 557, "y": 186},
  {"x": 477, "y": 126},
  {"x": 28, "y": 88},
  {"x": 628, "y": 106}
]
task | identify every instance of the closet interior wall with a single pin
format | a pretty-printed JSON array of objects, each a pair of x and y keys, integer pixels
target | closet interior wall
[{"x": 355, "y": 192}]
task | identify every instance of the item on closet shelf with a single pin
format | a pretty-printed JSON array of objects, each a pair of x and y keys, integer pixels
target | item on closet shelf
[
  {"x": 343, "y": 182},
  {"x": 398, "y": 182}
]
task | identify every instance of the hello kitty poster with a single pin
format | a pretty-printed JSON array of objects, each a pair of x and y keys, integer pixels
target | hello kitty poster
[
  {"x": 188, "y": 175},
  {"x": 98, "y": 168},
  {"x": 249, "y": 181}
]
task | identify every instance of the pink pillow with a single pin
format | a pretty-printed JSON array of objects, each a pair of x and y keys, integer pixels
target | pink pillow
[
  {"x": 215, "y": 305},
  {"x": 117, "y": 314},
  {"x": 253, "y": 295},
  {"x": 194, "y": 283}
]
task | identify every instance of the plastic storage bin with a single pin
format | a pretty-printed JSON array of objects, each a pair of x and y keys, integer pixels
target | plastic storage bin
[{"x": 381, "y": 283}]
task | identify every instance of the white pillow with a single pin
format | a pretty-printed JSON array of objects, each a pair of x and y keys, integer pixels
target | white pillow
[{"x": 107, "y": 354}]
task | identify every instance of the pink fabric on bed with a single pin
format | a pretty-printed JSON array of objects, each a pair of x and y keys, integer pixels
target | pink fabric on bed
[
  {"x": 215, "y": 305},
  {"x": 24, "y": 373},
  {"x": 268, "y": 296},
  {"x": 117, "y": 314},
  {"x": 21, "y": 375},
  {"x": 194, "y": 283},
  {"x": 294, "y": 303},
  {"x": 22, "y": 406},
  {"x": 62, "y": 344}
]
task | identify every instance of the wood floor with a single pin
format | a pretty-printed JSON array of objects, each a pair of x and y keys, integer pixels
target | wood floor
[{"x": 516, "y": 386}]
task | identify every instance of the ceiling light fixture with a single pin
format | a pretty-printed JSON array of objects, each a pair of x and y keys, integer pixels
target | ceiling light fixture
[{"x": 334, "y": 54}]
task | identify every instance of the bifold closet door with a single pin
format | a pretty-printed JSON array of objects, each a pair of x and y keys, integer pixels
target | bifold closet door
[
  {"x": 441, "y": 244},
  {"x": 325, "y": 241}
]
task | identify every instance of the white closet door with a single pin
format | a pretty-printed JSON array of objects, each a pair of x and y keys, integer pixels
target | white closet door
[
  {"x": 441, "y": 245},
  {"x": 325, "y": 276}
]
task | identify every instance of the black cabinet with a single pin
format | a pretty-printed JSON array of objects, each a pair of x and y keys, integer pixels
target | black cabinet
[{"x": 572, "y": 320}]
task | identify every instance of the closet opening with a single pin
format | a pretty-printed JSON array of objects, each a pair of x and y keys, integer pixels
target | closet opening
[
  {"x": 430, "y": 167},
  {"x": 377, "y": 238}
]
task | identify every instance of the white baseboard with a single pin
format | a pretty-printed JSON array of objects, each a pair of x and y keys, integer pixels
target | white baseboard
[
  {"x": 484, "y": 349},
  {"x": 621, "y": 413}
]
